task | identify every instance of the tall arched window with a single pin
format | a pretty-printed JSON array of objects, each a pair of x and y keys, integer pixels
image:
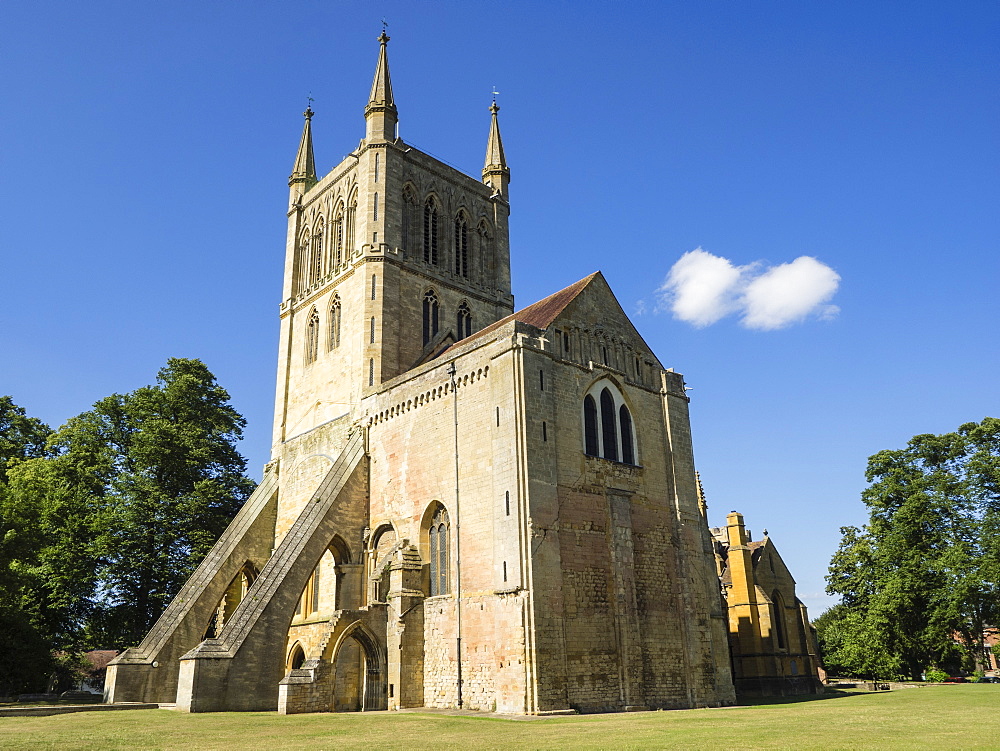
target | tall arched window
[
  {"x": 352, "y": 214},
  {"x": 316, "y": 255},
  {"x": 591, "y": 446},
  {"x": 338, "y": 236},
  {"x": 609, "y": 428},
  {"x": 431, "y": 310},
  {"x": 464, "y": 321},
  {"x": 312, "y": 337},
  {"x": 304, "y": 262},
  {"x": 371, "y": 371},
  {"x": 375, "y": 208},
  {"x": 409, "y": 215},
  {"x": 438, "y": 536},
  {"x": 335, "y": 322},
  {"x": 484, "y": 250},
  {"x": 371, "y": 332},
  {"x": 625, "y": 422},
  {"x": 461, "y": 246},
  {"x": 431, "y": 231}
]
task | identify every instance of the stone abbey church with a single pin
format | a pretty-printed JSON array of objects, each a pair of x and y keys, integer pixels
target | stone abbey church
[{"x": 466, "y": 505}]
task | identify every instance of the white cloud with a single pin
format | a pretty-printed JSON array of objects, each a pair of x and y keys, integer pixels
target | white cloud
[
  {"x": 787, "y": 293},
  {"x": 702, "y": 288}
]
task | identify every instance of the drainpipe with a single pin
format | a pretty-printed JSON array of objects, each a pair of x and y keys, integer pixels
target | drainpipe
[{"x": 458, "y": 541}]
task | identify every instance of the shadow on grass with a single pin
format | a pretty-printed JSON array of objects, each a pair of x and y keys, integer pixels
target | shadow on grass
[{"x": 830, "y": 693}]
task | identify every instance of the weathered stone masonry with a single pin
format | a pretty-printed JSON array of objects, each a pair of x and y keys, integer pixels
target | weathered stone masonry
[{"x": 541, "y": 466}]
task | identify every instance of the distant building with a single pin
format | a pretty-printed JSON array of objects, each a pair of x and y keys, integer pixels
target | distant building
[{"x": 773, "y": 644}]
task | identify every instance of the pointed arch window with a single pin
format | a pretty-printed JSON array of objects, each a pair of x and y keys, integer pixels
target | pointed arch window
[
  {"x": 335, "y": 322},
  {"x": 338, "y": 236},
  {"x": 312, "y": 337},
  {"x": 591, "y": 443},
  {"x": 409, "y": 215},
  {"x": 371, "y": 333},
  {"x": 316, "y": 255},
  {"x": 431, "y": 231},
  {"x": 608, "y": 428},
  {"x": 375, "y": 208},
  {"x": 462, "y": 246},
  {"x": 625, "y": 422},
  {"x": 464, "y": 321},
  {"x": 431, "y": 312},
  {"x": 438, "y": 539},
  {"x": 484, "y": 251},
  {"x": 350, "y": 230},
  {"x": 304, "y": 263}
]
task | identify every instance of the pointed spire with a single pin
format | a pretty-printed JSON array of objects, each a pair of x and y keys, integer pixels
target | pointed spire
[
  {"x": 304, "y": 170},
  {"x": 381, "y": 114},
  {"x": 495, "y": 172}
]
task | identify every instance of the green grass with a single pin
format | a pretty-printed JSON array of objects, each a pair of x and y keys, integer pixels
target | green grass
[{"x": 940, "y": 717}]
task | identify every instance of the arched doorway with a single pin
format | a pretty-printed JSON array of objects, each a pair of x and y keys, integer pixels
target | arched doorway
[{"x": 359, "y": 673}]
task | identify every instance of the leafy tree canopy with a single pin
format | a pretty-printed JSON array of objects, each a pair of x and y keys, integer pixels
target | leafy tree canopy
[
  {"x": 102, "y": 521},
  {"x": 926, "y": 567}
]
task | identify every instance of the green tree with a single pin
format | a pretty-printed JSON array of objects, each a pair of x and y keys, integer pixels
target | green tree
[
  {"x": 924, "y": 568},
  {"x": 170, "y": 480},
  {"x": 26, "y": 667}
]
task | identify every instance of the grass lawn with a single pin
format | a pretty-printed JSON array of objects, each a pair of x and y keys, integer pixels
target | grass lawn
[{"x": 940, "y": 717}]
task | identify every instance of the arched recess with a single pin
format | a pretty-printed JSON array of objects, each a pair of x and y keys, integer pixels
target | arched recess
[
  {"x": 296, "y": 656},
  {"x": 234, "y": 595},
  {"x": 359, "y": 671},
  {"x": 381, "y": 543}
]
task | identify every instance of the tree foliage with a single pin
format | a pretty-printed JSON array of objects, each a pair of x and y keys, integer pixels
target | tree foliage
[
  {"x": 102, "y": 521},
  {"x": 926, "y": 567}
]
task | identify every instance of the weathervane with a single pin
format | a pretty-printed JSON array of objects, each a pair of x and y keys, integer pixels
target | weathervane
[
  {"x": 495, "y": 92},
  {"x": 384, "y": 24}
]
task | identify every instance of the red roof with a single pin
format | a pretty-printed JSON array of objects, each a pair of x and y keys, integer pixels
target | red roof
[{"x": 540, "y": 315}]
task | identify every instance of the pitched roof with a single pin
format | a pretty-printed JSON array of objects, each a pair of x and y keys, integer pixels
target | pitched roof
[{"x": 540, "y": 315}]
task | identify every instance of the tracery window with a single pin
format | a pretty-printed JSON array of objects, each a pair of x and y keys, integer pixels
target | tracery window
[
  {"x": 438, "y": 539},
  {"x": 431, "y": 311},
  {"x": 335, "y": 322},
  {"x": 461, "y": 246},
  {"x": 431, "y": 231},
  {"x": 608, "y": 428},
  {"x": 312, "y": 337},
  {"x": 464, "y": 321}
]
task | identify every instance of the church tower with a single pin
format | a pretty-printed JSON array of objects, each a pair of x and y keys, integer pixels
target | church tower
[{"x": 390, "y": 257}]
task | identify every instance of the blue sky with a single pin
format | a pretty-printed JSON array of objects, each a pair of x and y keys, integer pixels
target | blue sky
[{"x": 146, "y": 150}]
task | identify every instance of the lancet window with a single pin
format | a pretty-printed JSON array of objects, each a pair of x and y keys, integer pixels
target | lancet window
[
  {"x": 350, "y": 230},
  {"x": 608, "y": 429},
  {"x": 464, "y": 321},
  {"x": 431, "y": 313},
  {"x": 316, "y": 255},
  {"x": 461, "y": 246},
  {"x": 409, "y": 215},
  {"x": 438, "y": 544},
  {"x": 431, "y": 231},
  {"x": 335, "y": 322},
  {"x": 312, "y": 337},
  {"x": 338, "y": 236}
]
